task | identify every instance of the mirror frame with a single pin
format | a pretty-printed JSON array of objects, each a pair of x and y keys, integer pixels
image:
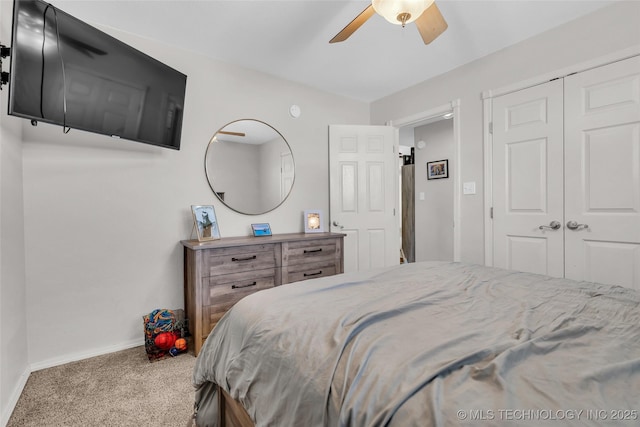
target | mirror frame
[{"x": 209, "y": 181}]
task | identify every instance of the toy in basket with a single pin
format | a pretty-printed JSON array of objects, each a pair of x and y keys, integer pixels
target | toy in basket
[{"x": 165, "y": 333}]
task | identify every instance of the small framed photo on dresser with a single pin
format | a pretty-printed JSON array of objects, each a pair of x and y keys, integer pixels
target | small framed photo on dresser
[
  {"x": 205, "y": 222},
  {"x": 262, "y": 229},
  {"x": 313, "y": 221}
]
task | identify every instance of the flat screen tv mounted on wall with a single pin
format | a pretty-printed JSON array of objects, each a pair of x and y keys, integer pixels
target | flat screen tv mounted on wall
[{"x": 66, "y": 72}]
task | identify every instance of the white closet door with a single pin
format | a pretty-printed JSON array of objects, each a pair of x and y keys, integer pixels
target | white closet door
[
  {"x": 527, "y": 180},
  {"x": 602, "y": 168}
]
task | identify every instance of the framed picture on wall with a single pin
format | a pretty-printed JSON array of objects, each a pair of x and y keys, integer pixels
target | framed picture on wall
[
  {"x": 313, "y": 221},
  {"x": 438, "y": 169},
  {"x": 205, "y": 222}
]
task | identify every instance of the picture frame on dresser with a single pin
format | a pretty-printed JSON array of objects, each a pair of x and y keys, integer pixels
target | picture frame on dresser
[
  {"x": 313, "y": 221},
  {"x": 262, "y": 229},
  {"x": 205, "y": 222}
]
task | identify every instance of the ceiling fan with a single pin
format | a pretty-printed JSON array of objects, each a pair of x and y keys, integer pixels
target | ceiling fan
[{"x": 424, "y": 13}]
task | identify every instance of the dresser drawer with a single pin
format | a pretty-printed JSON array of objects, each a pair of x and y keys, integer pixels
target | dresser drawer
[
  {"x": 304, "y": 252},
  {"x": 222, "y": 292},
  {"x": 232, "y": 287},
  {"x": 311, "y": 270},
  {"x": 237, "y": 259}
]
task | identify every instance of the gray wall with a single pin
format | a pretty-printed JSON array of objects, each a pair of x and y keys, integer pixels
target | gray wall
[
  {"x": 434, "y": 214},
  {"x": 606, "y": 31},
  {"x": 14, "y": 366},
  {"x": 13, "y": 318}
]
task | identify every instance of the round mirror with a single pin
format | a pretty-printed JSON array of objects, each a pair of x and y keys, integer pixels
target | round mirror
[{"x": 249, "y": 166}]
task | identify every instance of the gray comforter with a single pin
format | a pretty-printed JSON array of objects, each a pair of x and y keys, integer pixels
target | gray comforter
[{"x": 428, "y": 344}]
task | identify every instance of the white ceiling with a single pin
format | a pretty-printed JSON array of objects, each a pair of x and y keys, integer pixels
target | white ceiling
[{"x": 290, "y": 38}]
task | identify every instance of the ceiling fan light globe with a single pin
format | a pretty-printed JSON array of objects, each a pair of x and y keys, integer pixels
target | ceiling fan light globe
[{"x": 400, "y": 12}]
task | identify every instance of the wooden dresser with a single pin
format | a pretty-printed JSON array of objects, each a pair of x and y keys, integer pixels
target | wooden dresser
[{"x": 218, "y": 273}]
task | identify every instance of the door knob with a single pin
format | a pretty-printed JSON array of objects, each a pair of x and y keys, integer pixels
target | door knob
[
  {"x": 337, "y": 224},
  {"x": 553, "y": 225},
  {"x": 573, "y": 225}
]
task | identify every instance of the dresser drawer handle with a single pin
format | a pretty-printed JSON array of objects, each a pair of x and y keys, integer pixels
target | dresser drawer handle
[
  {"x": 243, "y": 259},
  {"x": 248, "y": 285},
  {"x": 312, "y": 251},
  {"x": 312, "y": 274}
]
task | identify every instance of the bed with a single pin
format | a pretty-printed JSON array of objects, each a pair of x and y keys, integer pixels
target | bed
[{"x": 425, "y": 344}]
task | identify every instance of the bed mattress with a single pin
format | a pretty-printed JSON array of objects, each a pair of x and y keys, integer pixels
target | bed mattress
[{"x": 428, "y": 344}]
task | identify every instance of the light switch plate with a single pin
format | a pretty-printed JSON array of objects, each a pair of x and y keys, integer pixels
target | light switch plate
[{"x": 469, "y": 188}]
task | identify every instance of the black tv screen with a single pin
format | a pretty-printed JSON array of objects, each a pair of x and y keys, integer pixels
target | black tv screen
[{"x": 68, "y": 73}]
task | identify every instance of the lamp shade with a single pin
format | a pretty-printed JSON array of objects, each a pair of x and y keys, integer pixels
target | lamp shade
[{"x": 400, "y": 12}]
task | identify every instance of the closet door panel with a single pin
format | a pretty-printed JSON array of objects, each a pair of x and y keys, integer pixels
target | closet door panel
[
  {"x": 527, "y": 180},
  {"x": 602, "y": 169}
]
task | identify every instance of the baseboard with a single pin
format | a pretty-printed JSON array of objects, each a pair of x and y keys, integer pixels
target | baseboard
[
  {"x": 74, "y": 357},
  {"x": 13, "y": 400}
]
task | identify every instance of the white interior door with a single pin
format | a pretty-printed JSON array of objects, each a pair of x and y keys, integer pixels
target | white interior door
[
  {"x": 363, "y": 183},
  {"x": 286, "y": 174},
  {"x": 527, "y": 180},
  {"x": 602, "y": 164}
]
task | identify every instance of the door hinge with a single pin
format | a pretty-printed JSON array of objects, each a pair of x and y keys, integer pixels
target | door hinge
[
  {"x": 491, "y": 212},
  {"x": 491, "y": 128}
]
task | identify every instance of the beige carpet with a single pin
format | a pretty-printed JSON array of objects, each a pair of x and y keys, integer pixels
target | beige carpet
[{"x": 118, "y": 389}]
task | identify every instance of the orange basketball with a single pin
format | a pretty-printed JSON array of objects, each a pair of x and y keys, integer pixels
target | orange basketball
[
  {"x": 165, "y": 340},
  {"x": 181, "y": 344}
]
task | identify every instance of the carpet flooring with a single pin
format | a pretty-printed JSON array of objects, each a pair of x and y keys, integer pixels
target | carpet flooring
[{"x": 118, "y": 389}]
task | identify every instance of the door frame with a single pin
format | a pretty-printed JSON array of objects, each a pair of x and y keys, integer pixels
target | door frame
[
  {"x": 487, "y": 137},
  {"x": 450, "y": 107}
]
